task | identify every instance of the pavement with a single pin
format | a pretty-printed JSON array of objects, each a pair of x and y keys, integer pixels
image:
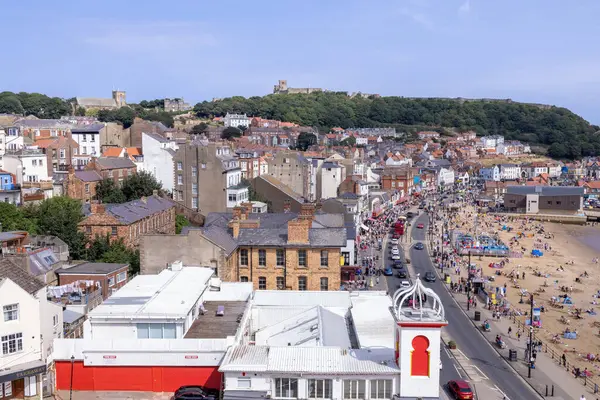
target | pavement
[{"x": 479, "y": 361}]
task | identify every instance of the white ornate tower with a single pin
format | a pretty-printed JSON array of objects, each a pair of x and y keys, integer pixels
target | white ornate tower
[{"x": 419, "y": 320}]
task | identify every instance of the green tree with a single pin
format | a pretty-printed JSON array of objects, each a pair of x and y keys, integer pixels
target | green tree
[
  {"x": 10, "y": 104},
  {"x": 180, "y": 222},
  {"x": 305, "y": 140},
  {"x": 141, "y": 184},
  {"x": 199, "y": 129},
  {"x": 119, "y": 253},
  {"x": 14, "y": 219},
  {"x": 349, "y": 141},
  {"x": 230, "y": 133},
  {"x": 60, "y": 216},
  {"x": 107, "y": 191}
]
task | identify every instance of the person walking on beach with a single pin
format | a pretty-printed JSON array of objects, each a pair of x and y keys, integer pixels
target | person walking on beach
[{"x": 509, "y": 331}]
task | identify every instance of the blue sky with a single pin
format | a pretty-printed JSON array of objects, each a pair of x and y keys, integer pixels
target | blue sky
[{"x": 528, "y": 50}]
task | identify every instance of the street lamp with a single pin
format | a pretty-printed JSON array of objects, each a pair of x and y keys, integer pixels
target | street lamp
[
  {"x": 530, "y": 352},
  {"x": 71, "y": 385}
]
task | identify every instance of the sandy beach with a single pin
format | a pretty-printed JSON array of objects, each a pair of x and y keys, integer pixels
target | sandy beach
[{"x": 568, "y": 253}]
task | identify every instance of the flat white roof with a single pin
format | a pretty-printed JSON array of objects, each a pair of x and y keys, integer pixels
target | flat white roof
[
  {"x": 373, "y": 321},
  {"x": 169, "y": 294},
  {"x": 283, "y": 298}
]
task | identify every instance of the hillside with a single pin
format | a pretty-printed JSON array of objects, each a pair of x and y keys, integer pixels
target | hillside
[{"x": 563, "y": 133}]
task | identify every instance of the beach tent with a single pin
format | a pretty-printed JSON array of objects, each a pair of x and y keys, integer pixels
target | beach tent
[{"x": 536, "y": 253}]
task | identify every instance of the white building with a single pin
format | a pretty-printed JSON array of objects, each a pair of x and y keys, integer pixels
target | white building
[
  {"x": 236, "y": 192},
  {"x": 29, "y": 325},
  {"x": 332, "y": 175},
  {"x": 88, "y": 139},
  {"x": 491, "y": 142},
  {"x": 28, "y": 165},
  {"x": 445, "y": 176},
  {"x": 510, "y": 171},
  {"x": 236, "y": 120},
  {"x": 554, "y": 170},
  {"x": 158, "y": 155},
  {"x": 490, "y": 173}
]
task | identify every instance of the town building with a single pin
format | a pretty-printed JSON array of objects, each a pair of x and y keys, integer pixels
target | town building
[
  {"x": 295, "y": 171},
  {"x": 491, "y": 142},
  {"x": 59, "y": 153},
  {"x": 115, "y": 168},
  {"x": 176, "y": 105},
  {"x": 554, "y": 200},
  {"x": 28, "y": 165},
  {"x": 428, "y": 135},
  {"x": 158, "y": 153},
  {"x": 510, "y": 171},
  {"x": 141, "y": 126},
  {"x": 28, "y": 328},
  {"x": 236, "y": 120},
  {"x": 282, "y": 88},
  {"x": 87, "y": 138},
  {"x": 81, "y": 185},
  {"x": 332, "y": 175},
  {"x": 208, "y": 177},
  {"x": 281, "y": 197},
  {"x": 10, "y": 190},
  {"x": 109, "y": 277},
  {"x": 133, "y": 153},
  {"x": 397, "y": 178},
  {"x": 129, "y": 221},
  {"x": 118, "y": 100}
]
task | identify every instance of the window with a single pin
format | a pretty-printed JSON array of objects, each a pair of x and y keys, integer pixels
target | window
[
  {"x": 179, "y": 166},
  {"x": 280, "y": 258},
  {"x": 194, "y": 202},
  {"x": 179, "y": 179},
  {"x": 194, "y": 188},
  {"x": 244, "y": 383},
  {"x": 244, "y": 279},
  {"x": 393, "y": 184},
  {"x": 92, "y": 138},
  {"x": 203, "y": 165},
  {"x": 381, "y": 389},
  {"x": 12, "y": 343},
  {"x": 63, "y": 153},
  {"x": 262, "y": 258},
  {"x": 280, "y": 283},
  {"x": 232, "y": 197},
  {"x": 87, "y": 187},
  {"x": 55, "y": 320},
  {"x": 286, "y": 388},
  {"x": 84, "y": 138},
  {"x": 324, "y": 284},
  {"x": 84, "y": 150},
  {"x": 558, "y": 202},
  {"x": 34, "y": 163},
  {"x": 111, "y": 281},
  {"x": 262, "y": 283},
  {"x": 88, "y": 230},
  {"x": 319, "y": 388},
  {"x": 354, "y": 390},
  {"x": 113, "y": 230},
  {"x": 121, "y": 276},
  {"x": 301, "y": 283},
  {"x": 244, "y": 257},
  {"x": 194, "y": 171},
  {"x": 156, "y": 331},
  {"x": 302, "y": 258},
  {"x": 324, "y": 258},
  {"x": 11, "y": 312}
]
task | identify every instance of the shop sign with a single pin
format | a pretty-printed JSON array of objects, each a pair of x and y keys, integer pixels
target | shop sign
[{"x": 41, "y": 369}]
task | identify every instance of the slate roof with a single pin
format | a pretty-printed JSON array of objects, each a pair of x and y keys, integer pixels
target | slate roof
[
  {"x": 114, "y": 162},
  {"x": 282, "y": 187},
  {"x": 42, "y": 261},
  {"x": 330, "y": 164},
  {"x": 135, "y": 210},
  {"x": 88, "y": 176},
  {"x": 91, "y": 268},
  {"x": 317, "y": 237},
  {"x": 220, "y": 237},
  {"x": 546, "y": 190},
  {"x": 95, "y": 127},
  {"x": 9, "y": 270},
  {"x": 156, "y": 136}
]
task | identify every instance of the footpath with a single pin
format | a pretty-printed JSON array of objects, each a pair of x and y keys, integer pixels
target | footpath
[{"x": 549, "y": 378}]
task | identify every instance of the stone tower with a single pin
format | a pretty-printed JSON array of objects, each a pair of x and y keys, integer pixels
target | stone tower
[
  {"x": 420, "y": 317},
  {"x": 120, "y": 97},
  {"x": 281, "y": 87}
]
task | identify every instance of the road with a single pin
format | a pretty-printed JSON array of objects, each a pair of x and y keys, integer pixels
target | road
[{"x": 485, "y": 361}]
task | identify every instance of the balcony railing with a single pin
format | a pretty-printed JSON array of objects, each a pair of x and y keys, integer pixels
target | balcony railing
[
  {"x": 10, "y": 186},
  {"x": 45, "y": 185}
]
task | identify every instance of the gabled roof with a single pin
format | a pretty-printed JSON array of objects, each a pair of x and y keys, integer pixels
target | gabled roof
[
  {"x": 114, "y": 162},
  {"x": 9, "y": 270},
  {"x": 88, "y": 176},
  {"x": 135, "y": 210}
]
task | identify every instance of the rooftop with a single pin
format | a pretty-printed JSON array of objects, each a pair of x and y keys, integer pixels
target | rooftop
[
  {"x": 10, "y": 270},
  {"x": 114, "y": 162},
  {"x": 135, "y": 210},
  {"x": 167, "y": 294},
  {"x": 546, "y": 190},
  {"x": 91, "y": 268},
  {"x": 88, "y": 176},
  {"x": 211, "y": 326}
]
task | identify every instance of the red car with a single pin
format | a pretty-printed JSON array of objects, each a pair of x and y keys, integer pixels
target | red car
[
  {"x": 420, "y": 226},
  {"x": 460, "y": 390}
]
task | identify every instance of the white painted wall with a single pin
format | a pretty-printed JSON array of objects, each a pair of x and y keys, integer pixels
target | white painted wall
[
  {"x": 89, "y": 143},
  {"x": 158, "y": 161},
  {"x": 51, "y": 322},
  {"x": 119, "y": 329},
  {"x": 26, "y": 167},
  {"x": 331, "y": 178},
  {"x": 420, "y": 386}
]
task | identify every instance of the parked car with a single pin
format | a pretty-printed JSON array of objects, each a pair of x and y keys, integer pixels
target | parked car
[
  {"x": 402, "y": 274},
  {"x": 195, "y": 393},
  {"x": 429, "y": 276},
  {"x": 388, "y": 271},
  {"x": 419, "y": 246},
  {"x": 394, "y": 240},
  {"x": 395, "y": 256},
  {"x": 405, "y": 284},
  {"x": 395, "y": 250},
  {"x": 398, "y": 264},
  {"x": 460, "y": 390},
  {"x": 420, "y": 226}
]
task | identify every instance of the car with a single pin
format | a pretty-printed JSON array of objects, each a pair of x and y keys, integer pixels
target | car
[
  {"x": 410, "y": 214},
  {"x": 395, "y": 256},
  {"x": 394, "y": 240},
  {"x": 402, "y": 274},
  {"x": 192, "y": 392},
  {"x": 398, "y": 264},
  {"x": 419, "y": 246},
  {"x": 388, "y": 271},
  {"x": 405, "y": 284},
  {"x": 396, "y": 236},
  {"x": 460, "y": 390},
  {"x": 429, "y": 276},
  {"x": 420, "y": 226},
  {"x": 395, "y": 250}
]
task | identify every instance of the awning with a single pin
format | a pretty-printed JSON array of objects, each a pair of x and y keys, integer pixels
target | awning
[
  {"x": 363, "y": 226},
  {"x": 23, "y": 370}
]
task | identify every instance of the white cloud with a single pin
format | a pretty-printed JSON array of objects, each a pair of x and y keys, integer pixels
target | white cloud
[
  {"x": 147, "y": 37},
  {"x": 418, "y": 17},
  {"x": 465, "y": 8}
]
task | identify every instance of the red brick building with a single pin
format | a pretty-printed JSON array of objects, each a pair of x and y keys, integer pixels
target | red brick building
[
  {"x": 81, "y": 185},
  {"x": 117, "y": 168},
  {"x": 397, "y": 178},
  {"x": 109, "y": 276},
  {"x": 128, "y": 221}
]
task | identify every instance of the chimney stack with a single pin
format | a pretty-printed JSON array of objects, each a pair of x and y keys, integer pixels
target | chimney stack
[
  {"x": 298, "y": 231},
  {"x": 235, "y": 227},
  {"x": 287, "y": 206},
  {"x": 307, "y": 211},
  {"x": 97, "y": 208},
  {"x": 239, "y": 212},
  {"x": 155, "y": 193},
  {"x": 247, "y": 208}
]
